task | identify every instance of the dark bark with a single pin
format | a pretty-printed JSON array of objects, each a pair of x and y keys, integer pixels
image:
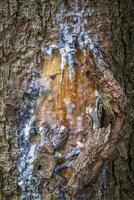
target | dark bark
[{"x": 24, "y": 27}]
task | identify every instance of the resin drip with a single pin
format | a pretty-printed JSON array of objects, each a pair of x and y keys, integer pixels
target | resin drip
[{"x": 73, "y": 100}]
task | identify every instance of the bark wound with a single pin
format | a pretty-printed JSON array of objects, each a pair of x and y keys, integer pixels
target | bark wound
[{"x": 67, "y": 103}]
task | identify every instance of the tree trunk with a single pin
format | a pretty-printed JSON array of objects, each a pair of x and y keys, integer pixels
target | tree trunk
[{"x": 64, "y": 64}]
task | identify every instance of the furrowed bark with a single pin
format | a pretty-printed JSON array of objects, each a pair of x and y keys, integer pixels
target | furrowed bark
[{"x": 104, "y": 168}]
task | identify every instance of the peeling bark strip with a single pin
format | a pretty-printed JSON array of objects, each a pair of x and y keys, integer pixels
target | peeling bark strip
[{"x": 103, "y": 141}]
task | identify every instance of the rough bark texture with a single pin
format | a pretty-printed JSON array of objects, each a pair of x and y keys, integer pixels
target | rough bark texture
[{"x": 24, "y": 27}]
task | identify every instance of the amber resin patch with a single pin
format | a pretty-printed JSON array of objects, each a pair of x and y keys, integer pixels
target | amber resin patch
[{"x": 67, "y": 99}]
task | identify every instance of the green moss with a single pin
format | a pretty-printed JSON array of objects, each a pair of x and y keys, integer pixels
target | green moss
[
  {"x": 15, "y": 198},
  {"x": 48, "y": 196}
]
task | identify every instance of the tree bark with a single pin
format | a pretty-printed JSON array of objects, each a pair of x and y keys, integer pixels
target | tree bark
[{"x": 102, "y": 171}]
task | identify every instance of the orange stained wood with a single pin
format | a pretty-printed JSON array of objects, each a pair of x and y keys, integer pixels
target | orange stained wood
[{"x": 67, "y": 99}]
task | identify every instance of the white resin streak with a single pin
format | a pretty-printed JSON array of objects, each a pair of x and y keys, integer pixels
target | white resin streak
[
  {"x": 28, "y": 151},
  {"x": 95, "y": 112},
  {"x": 70, "y": 35}
]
